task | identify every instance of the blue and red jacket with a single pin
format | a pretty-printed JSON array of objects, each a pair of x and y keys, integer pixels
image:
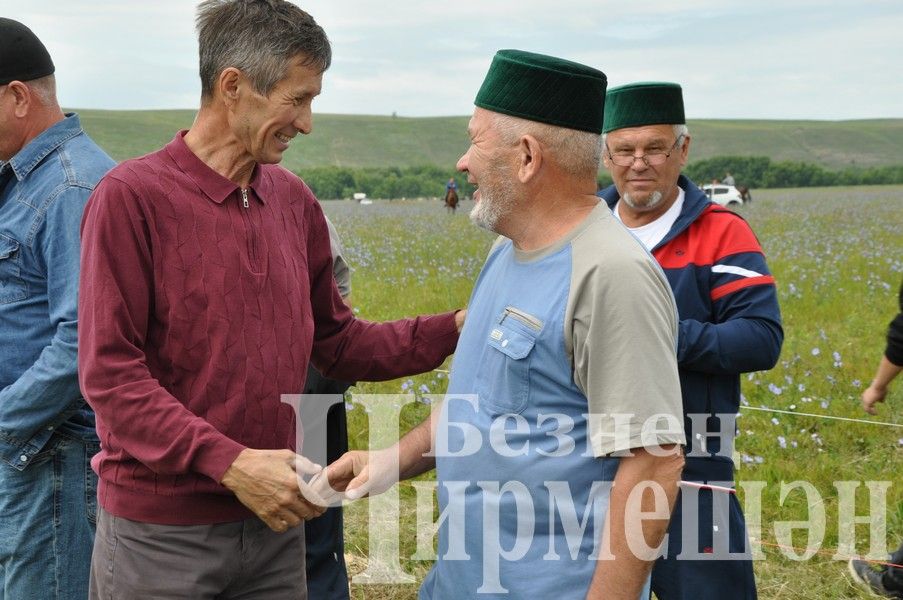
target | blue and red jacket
[{"x": 727, "y": 302}]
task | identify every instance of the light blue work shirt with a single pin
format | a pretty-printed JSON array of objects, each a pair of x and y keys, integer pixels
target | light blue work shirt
[{"x": 43, "y": 191}]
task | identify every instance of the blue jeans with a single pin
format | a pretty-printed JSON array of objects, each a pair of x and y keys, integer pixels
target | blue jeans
[{"x": 49, "y": 511}]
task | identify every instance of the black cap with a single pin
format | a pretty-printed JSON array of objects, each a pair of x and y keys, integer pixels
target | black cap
[{"x": 22, "y": 55}]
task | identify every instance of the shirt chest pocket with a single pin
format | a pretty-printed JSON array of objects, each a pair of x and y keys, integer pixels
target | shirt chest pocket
[
  {"x": 12, "y": 286},
  {"x": 503, "y": 377}
]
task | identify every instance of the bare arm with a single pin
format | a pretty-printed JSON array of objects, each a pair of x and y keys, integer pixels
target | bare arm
[
  {"x": 623, "y": 577},
  {"x": 877, "y": 390},
  {"x": 361, "y": 473},
  {"x": 269, "y": 483},
  {"x": 414, "y": 456}
]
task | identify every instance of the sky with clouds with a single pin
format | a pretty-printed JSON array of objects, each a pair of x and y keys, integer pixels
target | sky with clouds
[{"x": 764, "y": 59}]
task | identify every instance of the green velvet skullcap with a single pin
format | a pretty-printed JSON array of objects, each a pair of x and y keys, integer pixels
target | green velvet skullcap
[
  {"x": 643, "y": 103},
  {"x": 544, "y": 89}
]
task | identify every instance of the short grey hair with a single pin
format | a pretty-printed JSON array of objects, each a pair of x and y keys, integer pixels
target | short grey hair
[
  {"x": 577, "y": 152},
  {"x": 44, "y": 88},
  {"x": 259, "y": 38},
  {"x": 680, "y": 130}
]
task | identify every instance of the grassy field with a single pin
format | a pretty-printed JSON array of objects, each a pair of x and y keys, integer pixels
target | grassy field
[
  {"x": 837, "y": 255},
  {"x": 381, "y": 141}
]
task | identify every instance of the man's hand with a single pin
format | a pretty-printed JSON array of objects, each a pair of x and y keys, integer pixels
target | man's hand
[
  {"x": 357, "y": 474},
  {"x": 871, "y": 396},
  {"x": 877, "y": 390},
  {"x": 459, "y": 319},
  {"x": 269, "y": 483}
]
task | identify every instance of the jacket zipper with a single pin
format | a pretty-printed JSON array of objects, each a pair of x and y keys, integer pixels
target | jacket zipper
[
  {"x": 522, "y": 317},
  {"x": 253, "y": 254}
]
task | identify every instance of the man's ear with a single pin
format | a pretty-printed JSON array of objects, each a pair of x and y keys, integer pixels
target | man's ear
[
  {"x": 229, "y": 85},
  {"x": 605, "y": 162},
  {"x": 21, "y": 97},
  {"x": 529, "y": 152},
  {"x": 685, "y": 151}
]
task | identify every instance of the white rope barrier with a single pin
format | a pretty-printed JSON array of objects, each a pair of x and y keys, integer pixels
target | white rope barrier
[
  {"x": 802, "y": 414},
  {"x": 793, "y": 412}
]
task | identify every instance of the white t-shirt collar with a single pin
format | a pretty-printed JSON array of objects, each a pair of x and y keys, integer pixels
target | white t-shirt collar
[{"x": 652, "y": 233}]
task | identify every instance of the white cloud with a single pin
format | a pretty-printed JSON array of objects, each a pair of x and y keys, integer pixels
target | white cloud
[{"x": 769, "y": 59}]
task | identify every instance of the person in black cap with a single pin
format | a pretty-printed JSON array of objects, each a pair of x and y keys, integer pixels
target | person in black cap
[
  {"x": 730, "y": 323},
  {"x": 566, "y": 359},
  {"x": 48, "y": 167}
]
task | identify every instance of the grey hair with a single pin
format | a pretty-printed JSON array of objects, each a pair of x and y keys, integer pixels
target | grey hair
[
  {"x": 679, "y": 130},
  {"x": 577, "y": 152},
  {"x": 44, "y": 88},
  {"x": 259, "y": 38}
]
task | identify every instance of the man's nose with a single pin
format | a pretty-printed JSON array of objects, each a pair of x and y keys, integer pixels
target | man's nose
[
  {"x": 304, "y": 121},
  {"x": 461, "y": 165}
]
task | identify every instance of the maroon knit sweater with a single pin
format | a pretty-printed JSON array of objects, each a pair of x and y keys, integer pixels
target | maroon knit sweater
[{"x": 196, "y": 312}]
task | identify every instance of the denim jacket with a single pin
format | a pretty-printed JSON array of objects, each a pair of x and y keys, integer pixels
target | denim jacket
[{"x": 43, "y": 191}]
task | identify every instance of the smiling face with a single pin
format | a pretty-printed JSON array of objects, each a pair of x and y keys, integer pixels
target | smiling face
[
  {"x": 265, "y": 125},
  {"x": 646, "y": 188},
  {"x": 488, "y": 165}
]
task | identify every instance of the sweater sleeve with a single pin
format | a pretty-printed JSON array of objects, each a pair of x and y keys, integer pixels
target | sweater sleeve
[
  {"x": 353, "y": 349},
  {"x": 115, "y": 303}
]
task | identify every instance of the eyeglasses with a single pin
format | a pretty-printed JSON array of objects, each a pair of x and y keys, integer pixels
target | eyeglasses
[{"x": 651, "y": 159}]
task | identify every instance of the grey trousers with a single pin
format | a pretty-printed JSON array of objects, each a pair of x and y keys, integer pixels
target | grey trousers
[{"x": 244, "y": 560}]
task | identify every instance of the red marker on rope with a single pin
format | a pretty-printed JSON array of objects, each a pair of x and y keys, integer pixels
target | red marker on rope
[{"x": 706, "y": 486}]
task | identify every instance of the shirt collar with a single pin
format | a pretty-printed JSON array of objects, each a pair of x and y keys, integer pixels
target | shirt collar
[
  {"x": 46, "y": 142},
  {"x": 216, "y": 187}
]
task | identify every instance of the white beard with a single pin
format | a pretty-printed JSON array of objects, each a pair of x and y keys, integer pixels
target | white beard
[
  {"x": 654, "y": 200},
  {"x": 497, "y": 199}
]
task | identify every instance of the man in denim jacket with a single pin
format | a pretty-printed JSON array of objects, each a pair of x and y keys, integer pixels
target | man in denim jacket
[{"x": 48, "y": 167}]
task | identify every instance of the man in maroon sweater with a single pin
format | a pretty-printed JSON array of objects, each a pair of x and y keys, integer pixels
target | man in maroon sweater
[{"x": 206, "y": 287}]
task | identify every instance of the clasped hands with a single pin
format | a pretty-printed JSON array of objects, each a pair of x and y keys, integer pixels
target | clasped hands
[{"x": 271, "y": 482}]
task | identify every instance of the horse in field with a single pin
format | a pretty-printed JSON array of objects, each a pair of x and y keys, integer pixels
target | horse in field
[
  {"x": 451, "y": 200},
  {"x": 745, "y": 194}
]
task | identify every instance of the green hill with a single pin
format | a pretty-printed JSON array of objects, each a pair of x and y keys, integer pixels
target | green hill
[{"x": 377, "y": 141}]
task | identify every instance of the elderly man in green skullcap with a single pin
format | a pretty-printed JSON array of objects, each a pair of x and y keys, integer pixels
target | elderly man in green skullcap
[
  {"x": 565, "y": 371},
  {"x": 729, "y": 324}
]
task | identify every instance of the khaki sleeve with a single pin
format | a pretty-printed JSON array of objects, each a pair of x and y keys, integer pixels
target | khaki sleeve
[
  {"x": 621, "y": 332},
  {"x": 340, "y": 269}
]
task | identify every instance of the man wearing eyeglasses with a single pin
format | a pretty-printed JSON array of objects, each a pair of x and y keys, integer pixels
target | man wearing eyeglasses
[{"x": 730, "y": 323}]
